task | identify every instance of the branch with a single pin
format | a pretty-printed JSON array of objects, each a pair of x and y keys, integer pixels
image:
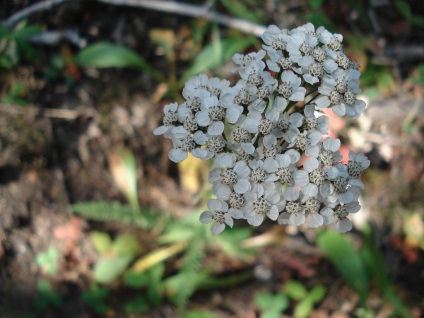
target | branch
[
  {"x": 157, "y": 5},
  {"x": 34, "y": 8},
  {"x": 68, "y": 114},
  {"x": 192, "y": 11}
]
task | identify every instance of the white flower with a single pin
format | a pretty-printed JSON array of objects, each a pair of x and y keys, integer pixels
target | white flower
[
  {"x": 343, "y": 192},
  {"x": 329, "y": 155},
  {"x": 304, "y": 141},
  {"x": 212, "y": 114},
  {"x": 339, "y": 92},
  {"x": 185, "y": 143},
  {"x": 311, "y": 70},
  {"x": 311, "y": 122},
  {"x": 312, "y": 179},
  {"x": 327, "y": 215},
  {"x": 269, "y": 147},
  {"x": 235, "y": 176},
  {"x": 290, "y": 87},
  {"x": 236, "y": 203},
  {"x": 294, "y": 211},
  {"x": 265, "y": 90},
  {"x": 218, "y": 213},
  {"x": 262, "y": 173},
  {"x": 216, "y": 86},
  {"x": 237, "y": 95},
  {"x": 195, "y": 83},
  {"x": 332, "y": 41},
  {"x": 343, "y": 224},
  {"x": 252, "y": 73},
  {"x": 242, "y": 137},
  {"x": 273, "y": 38},
  {"x": 192, "y": 104},
  {"x": 286, "y": 168},
  {"x": 258, "y": 206},
  {"x": 355, "y": 167},
  {"x": 256, "y": 124},
  {"x": 312, "y": 206},
  {"x": 288, "y": 126},
  {"x": 244, "y": 60},
  {"x": 214, "y": 145},
  {"x": 169, "y": 120},
  {"x": 300, "y": 44},
  {"x": 278, "y": 61},
  {"x": 357, "y": 164}
]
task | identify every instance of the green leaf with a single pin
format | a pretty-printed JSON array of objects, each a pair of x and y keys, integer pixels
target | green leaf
[
  {"x": 377, "y": 269},
  {"x": 105, "y": 54},
  {"x": 197, "y": 313},
  {"x": 316, "y": 4},
  {"x": 319, "y": 18},
  {"x": 404, "y": 8},
  {"x": 417, "y": 20},
  {"x": 22, "y": 31},
  {"x": 115, "y": 211},
  {"x": 230, "y": 242},
  {"x": 136, "y": 280},
  {"x": 346, "y": 260},
  {"x": 106, "y": 270},
  {"x": 303, "y": 308},
  {"x": 47, "y": 296},
  {"x": 137, "y": 305},
  {"x": 238, "y": 9},
  {"x": 295, "y": 290},
  {"x": 101, "y": 241},
  {"x": 271, "y": 304},
  {"x": 48, "y": 260},
  {"x": 126, "y": 245},
  {"x": 156, "y": 285},
  {"x": 317, "y": 293},
  {"x": 123, "y": 166},
  {"x": 210, "y": 57},
  {"x": 96, "y": 297}
]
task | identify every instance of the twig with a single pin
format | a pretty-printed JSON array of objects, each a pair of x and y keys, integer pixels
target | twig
[
  {"x": 48, "y": 112},
  {"x": 158, "y": 5},
  {"x": 36, "y": 7},
  {"x": 193, "y": 11}
]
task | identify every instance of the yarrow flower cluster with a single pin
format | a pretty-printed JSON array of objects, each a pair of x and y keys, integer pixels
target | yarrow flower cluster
[{"x": 267, "y": 133}]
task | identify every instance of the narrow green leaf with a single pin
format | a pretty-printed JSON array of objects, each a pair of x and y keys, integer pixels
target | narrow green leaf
[
  {"x": 271, "y": 303},
  {"x": 105, "y": 54},
  {"x": 317, "y": 293},
  {"x": 197, "y": 313},
  {"x": 137, "y": 305},
  {"x": 107, "y": 270},
  {"x": 238, "y": 9},
  {"x": 96, "y": 297},
  {"x": 417, "y": 20},
  {"x": 295, "y": 290},
  {"x": 404, "y": 8},
  {"x": 101, "y": 241},
  {"x": 303, "y": 308},
  {"x": 136, "y": 280},
  {"x": 209, "y": 59},
  {"x": 316, "y": 4},
  {"x": 346, "y": 260},
  {"x": 123, "y": 166},
  {"x": 126, "y": 245},
  {"x": 47, "y": 296}
]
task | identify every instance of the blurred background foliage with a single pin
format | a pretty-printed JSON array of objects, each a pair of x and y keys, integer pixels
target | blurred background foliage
[{"x": 114, "y": 231}]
